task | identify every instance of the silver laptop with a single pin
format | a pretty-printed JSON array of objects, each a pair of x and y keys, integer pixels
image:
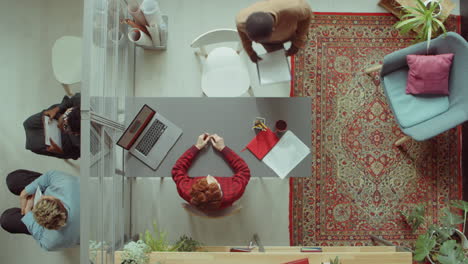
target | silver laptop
[{"x": 150, "y": 137}]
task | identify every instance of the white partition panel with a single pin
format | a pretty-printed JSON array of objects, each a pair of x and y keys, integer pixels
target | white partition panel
[{"x": 108, "y": 68}]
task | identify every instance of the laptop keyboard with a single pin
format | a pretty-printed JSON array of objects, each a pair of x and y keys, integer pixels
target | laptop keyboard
[{"x": 151, "y": 137}]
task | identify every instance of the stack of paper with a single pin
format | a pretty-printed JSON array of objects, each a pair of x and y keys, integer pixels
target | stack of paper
[
  {"x": 273, "y": 68},
  {"x": 286, "y": 154},
  {"x": 52, "y": 131}
]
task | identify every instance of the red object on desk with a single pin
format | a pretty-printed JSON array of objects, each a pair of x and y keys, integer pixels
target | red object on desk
[
  {"x": 300, "y": 261},
  {"x": 262, "y": 143},
  {"x": 241, "y": 250}
]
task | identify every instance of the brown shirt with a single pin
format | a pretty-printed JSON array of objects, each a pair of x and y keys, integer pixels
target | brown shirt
[{"x": 292, "y": 19}]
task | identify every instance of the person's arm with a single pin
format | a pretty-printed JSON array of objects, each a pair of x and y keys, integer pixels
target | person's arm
[
  {"x": 43, "y": 182},
  {"x": 37, "y": 231},
  {"x": 304, "y": 17},
  {"x": 70, "y": 146},
  {"x": 241, "y": 176},
  {"x": 246, "y": 42},
  {"x": 180, "y": 172}
]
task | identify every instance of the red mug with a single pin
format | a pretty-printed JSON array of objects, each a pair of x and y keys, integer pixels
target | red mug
[{"x": 281, "y": 126}]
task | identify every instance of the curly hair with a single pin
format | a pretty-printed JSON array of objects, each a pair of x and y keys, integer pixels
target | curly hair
[
  {"x": 50, "y": 213},
  {"x": 205, "y": 196},
  {"x": 74, "y": 120}
]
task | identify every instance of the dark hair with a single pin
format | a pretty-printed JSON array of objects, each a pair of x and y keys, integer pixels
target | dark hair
[
  {"x": 74, "y": 120},
  {"x": 259, "y": 25},
  {"x": 205, "y": 196}
]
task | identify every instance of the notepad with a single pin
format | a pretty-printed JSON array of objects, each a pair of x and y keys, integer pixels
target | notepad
[
  {"x": 37, "y": 196},
  {"x": 286, "y": 154},
  {"x": 51, "y": 131},
  {"x": 273, "y": 68}
]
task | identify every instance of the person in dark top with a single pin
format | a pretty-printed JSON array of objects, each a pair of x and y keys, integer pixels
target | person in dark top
[{"x": 67, "y": 113}]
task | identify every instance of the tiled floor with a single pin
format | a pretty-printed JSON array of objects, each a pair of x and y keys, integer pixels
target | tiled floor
[{"x": 27, "y": 84}]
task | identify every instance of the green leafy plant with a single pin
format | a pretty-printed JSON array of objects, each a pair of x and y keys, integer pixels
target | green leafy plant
[
  {"x": 334, "y": 261},
  {"x": 443, "y": 243},
  {"x": 135, "y": 253},
  {"x": 416, "y": 218},
  {"x": 423, "y": 19},
  {"x": 187, "y": 244},
  {"x": 157, "y": 241}
]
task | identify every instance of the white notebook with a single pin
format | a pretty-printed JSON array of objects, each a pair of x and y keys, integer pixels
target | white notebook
[
  {"x": 286, "y": 154},
  {"x": 37, "y": 196},
  {"x": 273, "y": 68},
  {"x": 51, "y": 131}
]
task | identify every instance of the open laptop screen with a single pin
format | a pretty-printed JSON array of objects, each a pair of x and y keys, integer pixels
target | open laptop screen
[{"x": 135, "y": 128}]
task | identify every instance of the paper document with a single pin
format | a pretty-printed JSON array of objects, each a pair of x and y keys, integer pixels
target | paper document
[
  {"x": 273, "y": 68},
  {"x": 37, "y": 196},
  {"x": 286, "y": 154},
  {"x": 51, "y": 131}
]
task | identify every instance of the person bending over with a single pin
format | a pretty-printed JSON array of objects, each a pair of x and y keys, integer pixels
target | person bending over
[
  {"x": 54, "y": 222},
  {"x": 69, "y": 122},
  {"x": 209, "y": 193},
  {"x": 272, "y": 23}
]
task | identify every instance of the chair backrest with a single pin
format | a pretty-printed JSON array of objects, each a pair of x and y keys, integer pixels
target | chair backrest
[
  {"x": 215, "y": 36},
  {"x": 66, "y": 59},
  {"x": 234, "y": 209}
]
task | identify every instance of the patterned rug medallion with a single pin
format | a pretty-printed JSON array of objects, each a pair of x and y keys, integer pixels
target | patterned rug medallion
[{"x": 361, "y": 181}]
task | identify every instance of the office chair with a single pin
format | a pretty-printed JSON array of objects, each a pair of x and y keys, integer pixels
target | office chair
[
  {"x": 66, "y": 61},
  {"x": 420, "y": 117},
  {"x": 224, "y": 74}
]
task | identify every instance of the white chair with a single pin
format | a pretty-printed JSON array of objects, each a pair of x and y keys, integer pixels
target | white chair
[
  {"x": 66, "y": 61},
  {"x": 234, "y": 209},
  {"x": 224, "y": 74}
]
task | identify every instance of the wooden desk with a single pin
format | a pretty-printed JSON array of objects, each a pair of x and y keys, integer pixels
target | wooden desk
[{"x": 278, "y": 255}]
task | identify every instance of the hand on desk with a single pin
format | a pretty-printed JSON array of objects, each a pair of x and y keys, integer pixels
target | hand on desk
[
  {"x": 217, "y": 142},
  {"x": 202, "y": 140}
]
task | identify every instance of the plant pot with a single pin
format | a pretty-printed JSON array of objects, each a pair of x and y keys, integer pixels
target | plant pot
[{"x": 438, "y": 10}]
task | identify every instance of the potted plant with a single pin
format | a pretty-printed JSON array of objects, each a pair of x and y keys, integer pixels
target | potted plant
[
  {"x": 443, "y": 243},
  {"x": 423, "y": 19}
]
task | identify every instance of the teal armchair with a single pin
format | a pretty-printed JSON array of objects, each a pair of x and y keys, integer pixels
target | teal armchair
[{"x": 423, "y": 117}]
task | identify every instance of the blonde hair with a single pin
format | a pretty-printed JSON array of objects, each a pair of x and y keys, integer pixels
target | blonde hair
[{"x": 50, "y": 213}]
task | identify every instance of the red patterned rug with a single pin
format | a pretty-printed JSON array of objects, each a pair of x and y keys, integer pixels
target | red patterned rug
[{"x": 361, "y": 181}]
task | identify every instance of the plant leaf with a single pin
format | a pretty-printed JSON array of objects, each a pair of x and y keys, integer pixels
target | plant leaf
[
  {"x": 424, "y": 245},
  {"x": 450, "y": 219},
  {"x": 405, "y": 22},
  {"x": 416, "y": 217},
  {"x": 460, "y": 205},
  {"x": 450, "y": 253},
  {"x": 444, "y": 233}
]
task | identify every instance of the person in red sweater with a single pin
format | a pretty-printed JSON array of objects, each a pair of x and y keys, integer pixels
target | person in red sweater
[{"x": 208, "y": 192}]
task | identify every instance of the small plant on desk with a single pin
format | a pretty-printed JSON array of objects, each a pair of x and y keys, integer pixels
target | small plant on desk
[{"x": 333, "y": 261}]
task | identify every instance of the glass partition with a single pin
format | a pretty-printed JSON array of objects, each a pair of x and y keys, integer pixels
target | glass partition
[{"x": 107, "y": 79}]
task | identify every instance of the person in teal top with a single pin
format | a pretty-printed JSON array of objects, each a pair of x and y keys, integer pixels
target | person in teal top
[{"x": 54, "y": 221}]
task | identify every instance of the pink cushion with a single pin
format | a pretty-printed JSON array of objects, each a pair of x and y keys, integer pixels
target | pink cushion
[{"x": 429, "y": 74}]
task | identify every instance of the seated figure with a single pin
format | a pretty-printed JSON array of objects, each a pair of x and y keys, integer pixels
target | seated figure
[
  {"x": 67, "y": 113},
  {"x": 208, "y": 193},
  {"x": 54, "y": 221}
]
